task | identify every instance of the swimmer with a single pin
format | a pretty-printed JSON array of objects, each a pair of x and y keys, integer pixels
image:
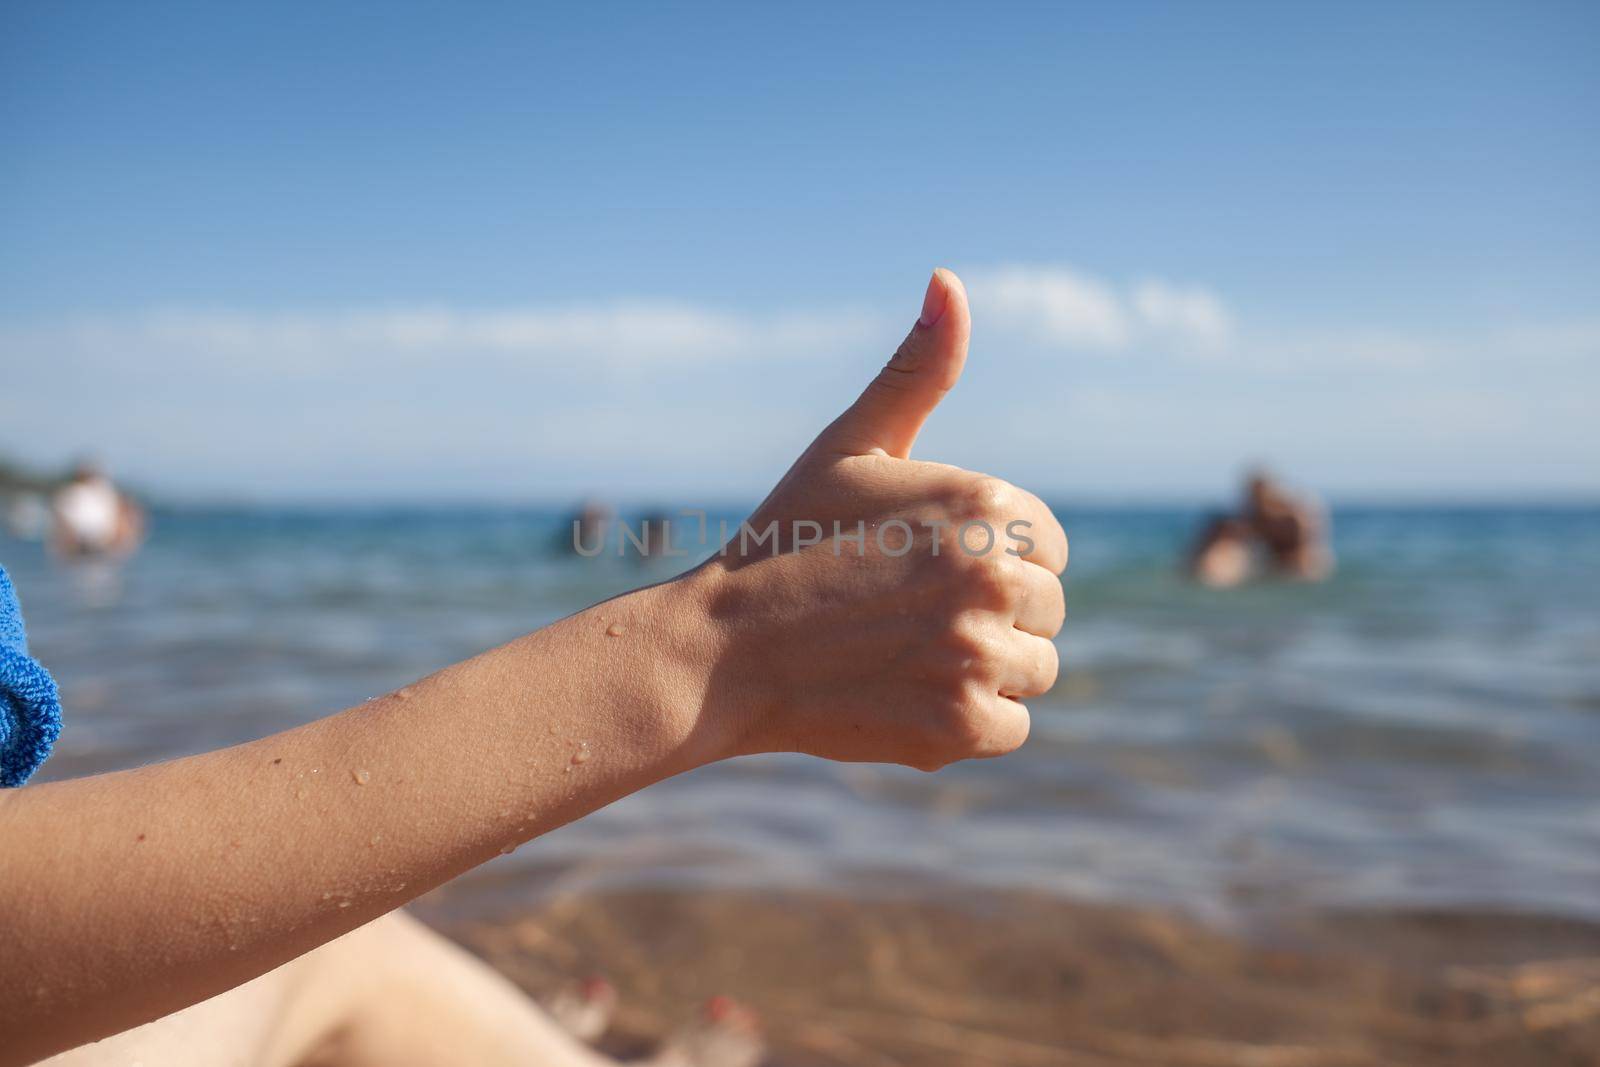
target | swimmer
[
  {"x": 1291, "y": 528},
  {"x": 1222, "y": 556},
  {"x": 239, "y": 906},
  {"x": 1275, "y": 531},
  {"x": 585, "y": 530},
  {"x": 93, "y": 518}
]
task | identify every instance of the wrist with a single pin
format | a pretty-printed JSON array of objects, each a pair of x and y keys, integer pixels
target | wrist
[
  {"x": 681, "y": 647},
  {"x": 735, "y": 648}
]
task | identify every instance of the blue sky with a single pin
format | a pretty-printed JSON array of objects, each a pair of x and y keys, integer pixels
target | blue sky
[{"x": 407, "y": 251}]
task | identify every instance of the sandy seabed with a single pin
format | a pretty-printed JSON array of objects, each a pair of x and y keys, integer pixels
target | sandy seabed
[{"x": 980, "y": 978}]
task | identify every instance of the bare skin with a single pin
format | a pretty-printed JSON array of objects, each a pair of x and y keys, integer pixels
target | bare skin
[
  {"x": 1291, "y": 529},
  {"x": 393, "y": 993},
  {"x": 132, "y": 895}
]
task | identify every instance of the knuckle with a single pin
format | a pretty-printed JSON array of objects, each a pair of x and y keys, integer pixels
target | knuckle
[
  {"x": 966, "y": 646},
  {"x": 987, "y": 497},
  {"x": 891, "y": 382},
  {"x": 986, "y": 579},
  {"x": 992, "y": 582}
]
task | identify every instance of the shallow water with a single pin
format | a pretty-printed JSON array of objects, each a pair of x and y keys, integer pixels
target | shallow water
[{"x": 1422, "y": 730}]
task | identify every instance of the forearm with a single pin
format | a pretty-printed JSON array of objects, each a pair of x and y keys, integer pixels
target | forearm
[
  {"x": 124, "y": 897},
  {"x": 129, "y": 895}
]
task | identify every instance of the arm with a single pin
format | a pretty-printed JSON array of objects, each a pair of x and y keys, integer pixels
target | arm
[{"x": 127, "y": 896}]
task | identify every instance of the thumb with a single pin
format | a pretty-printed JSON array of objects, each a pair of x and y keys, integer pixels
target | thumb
[{"x": 924, "y": 368}]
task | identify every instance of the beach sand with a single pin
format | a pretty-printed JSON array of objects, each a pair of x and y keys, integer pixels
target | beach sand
[{"x": 978, "y": 978}]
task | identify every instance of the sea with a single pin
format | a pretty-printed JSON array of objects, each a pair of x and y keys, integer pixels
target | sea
[{"x": 1420, "y": 731}]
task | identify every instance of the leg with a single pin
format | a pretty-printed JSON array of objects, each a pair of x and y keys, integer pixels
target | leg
[
  {"x": 396, "y": 994},
  {"x": 234, "y": 1029},
  {"x": 391, "y": 993}
]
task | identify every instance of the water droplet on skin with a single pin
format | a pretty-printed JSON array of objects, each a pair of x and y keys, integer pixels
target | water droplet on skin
[
  {"x": 327, "y": 896},
  {"x": 582, "y": 755},
  {"x": 615, "y": 630},
  {"x": 362, "y": 777},
  {"x": 300, "y": 794},
  {"x": 504, "y": 812},
  {"x": 344, "y": 903},
  {"x": 508, "y": 849},
  {"x": 402, "y": 694},
  {"x": 375, "y": 839}
]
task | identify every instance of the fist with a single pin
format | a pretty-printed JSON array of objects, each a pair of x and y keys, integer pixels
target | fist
[{"x": 878, "y": 608}]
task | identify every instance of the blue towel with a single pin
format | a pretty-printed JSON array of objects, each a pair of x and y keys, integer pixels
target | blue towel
[{"x": 30, "y": 710}]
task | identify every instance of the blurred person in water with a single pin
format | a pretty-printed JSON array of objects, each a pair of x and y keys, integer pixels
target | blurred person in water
[
  {"x": 240, "y": 906},
  {"x": 1276, "y": 533},
  {"x": 93, "y": 518},
  {"x": 585, "y": 529},
  {"x": 1293, "y": 529}
]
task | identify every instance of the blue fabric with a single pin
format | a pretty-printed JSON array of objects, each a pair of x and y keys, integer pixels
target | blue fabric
[{"x": 30, "y": 709}]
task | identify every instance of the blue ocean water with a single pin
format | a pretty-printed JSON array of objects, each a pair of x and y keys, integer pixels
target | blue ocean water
[{"x": 1422, "y": 730}]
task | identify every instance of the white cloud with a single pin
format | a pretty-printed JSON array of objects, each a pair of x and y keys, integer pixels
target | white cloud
[
  {"x": 617, "y": 336},
  {"x": 636, "y": 332},
  {"x": 1053, "y": 305},
  {"x": 1064, "y": 308},
  {"x": 1557, "y": 343},
  {"x": 1189, "y": 315},
  {"x": 450, "y": 398}
]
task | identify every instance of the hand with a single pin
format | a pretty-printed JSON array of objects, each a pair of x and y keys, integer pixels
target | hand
[
  {"x": 870, "y": 650},
  {"x": 909, "y": 644}
]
